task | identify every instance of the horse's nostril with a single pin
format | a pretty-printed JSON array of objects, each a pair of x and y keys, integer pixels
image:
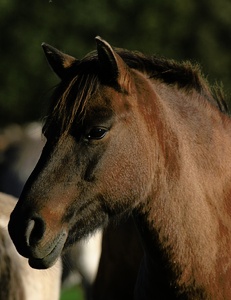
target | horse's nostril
[
  {"x": 29, "y": 229},
  {"x": 35, "y": 230}
]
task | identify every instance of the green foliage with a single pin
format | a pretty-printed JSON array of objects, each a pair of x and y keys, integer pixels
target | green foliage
[
  {"x": 198, "y": 30},
  {"x": 72, "y": 293}
]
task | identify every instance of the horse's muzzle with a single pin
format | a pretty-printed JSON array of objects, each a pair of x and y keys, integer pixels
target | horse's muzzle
[{"x": 33, "y": 242}]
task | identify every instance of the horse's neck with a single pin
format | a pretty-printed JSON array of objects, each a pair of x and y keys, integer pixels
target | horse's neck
[
  {"x": 188, "y": 255},
  {"x": 187, "y": 220}
]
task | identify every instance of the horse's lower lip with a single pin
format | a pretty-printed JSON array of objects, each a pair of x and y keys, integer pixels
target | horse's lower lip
[{"x": 50, "y": 259}]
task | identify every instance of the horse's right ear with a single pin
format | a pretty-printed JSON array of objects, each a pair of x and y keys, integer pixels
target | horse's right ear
[
  {"x": 113, "y": 69},
  {"x": 58, "y": 61}
]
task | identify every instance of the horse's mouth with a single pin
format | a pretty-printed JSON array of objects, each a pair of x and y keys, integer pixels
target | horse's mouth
[{"x": 50, "y": 259}]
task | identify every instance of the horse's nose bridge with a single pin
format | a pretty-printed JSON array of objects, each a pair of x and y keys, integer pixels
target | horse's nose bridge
[
  {"x": 37, "y": 217},
  {"x": 55, "y": 168}
]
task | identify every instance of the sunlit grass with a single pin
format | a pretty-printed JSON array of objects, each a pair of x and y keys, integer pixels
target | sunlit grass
[{"x": 73, "y": 293}]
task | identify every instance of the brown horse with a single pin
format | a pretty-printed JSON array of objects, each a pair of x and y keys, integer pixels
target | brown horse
[{"x": 145, "y": 136}]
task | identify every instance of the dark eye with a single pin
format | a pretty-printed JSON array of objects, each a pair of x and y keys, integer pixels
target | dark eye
[{"x": 96, "y": 133}]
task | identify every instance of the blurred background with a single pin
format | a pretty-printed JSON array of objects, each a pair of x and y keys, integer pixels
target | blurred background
[{"x": 198, "y": 30}]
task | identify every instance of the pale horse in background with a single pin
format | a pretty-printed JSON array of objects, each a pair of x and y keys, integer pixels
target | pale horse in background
[
  {"x": 20, "y": 148},
  {"x": 18, "y": 281}
]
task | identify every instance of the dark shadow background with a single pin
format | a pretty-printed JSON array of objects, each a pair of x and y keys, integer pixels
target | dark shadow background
[{"x": 198, "y": 30}]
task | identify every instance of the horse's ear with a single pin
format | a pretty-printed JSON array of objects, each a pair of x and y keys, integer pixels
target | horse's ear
[
  {"x": 113, "y": 69},
  {"x": 58, "y": 61}
]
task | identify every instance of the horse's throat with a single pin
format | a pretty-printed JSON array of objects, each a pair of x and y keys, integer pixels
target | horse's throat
[{"x": 155, "y": 266}]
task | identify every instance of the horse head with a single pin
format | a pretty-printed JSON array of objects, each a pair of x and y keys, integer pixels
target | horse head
[{"x": 96, "y": 163}]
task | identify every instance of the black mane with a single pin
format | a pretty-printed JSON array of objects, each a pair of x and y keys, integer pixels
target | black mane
[
  {"x": 185, "y": 75},
  {"x": 82, "y": 80}
]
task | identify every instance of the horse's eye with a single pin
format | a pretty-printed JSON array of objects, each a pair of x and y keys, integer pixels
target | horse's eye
[{"x": 96, "y": 133}]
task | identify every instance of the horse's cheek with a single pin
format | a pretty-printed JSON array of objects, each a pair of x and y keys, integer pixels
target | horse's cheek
[{"x": 120, "y": 186}]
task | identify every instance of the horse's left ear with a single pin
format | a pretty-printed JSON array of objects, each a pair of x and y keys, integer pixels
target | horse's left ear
[
  {"x": 58, "y": 61},
  {"x": 113, "y": 69}
]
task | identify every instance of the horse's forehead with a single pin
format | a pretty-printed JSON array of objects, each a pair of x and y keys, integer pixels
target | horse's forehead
[
  {"x": 114, "y": 100},
  {"x": 105, "y": 100}
]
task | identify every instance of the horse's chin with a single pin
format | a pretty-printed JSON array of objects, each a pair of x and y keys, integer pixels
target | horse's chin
[
  {"x": 42, "y": 263},
  {"x": 50, "y": 259}
]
